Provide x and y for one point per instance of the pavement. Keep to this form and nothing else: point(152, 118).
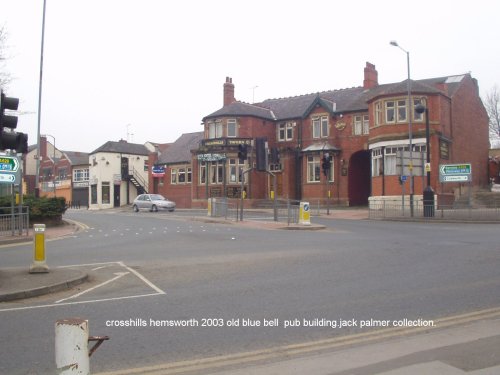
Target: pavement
point(462, 344)
point(462, 348)
point(19, 283)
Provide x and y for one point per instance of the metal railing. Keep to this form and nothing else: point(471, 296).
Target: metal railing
point(13, 222)
point(283, 210)
point(286, 210)
point(224, 208)
point(134, 173)
point(395, 210)
point(293, 210)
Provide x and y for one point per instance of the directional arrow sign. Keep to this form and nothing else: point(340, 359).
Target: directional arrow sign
point(7, 178)
point(463, 178)
point(455, 172)
point(455, 169)
point(9, 164)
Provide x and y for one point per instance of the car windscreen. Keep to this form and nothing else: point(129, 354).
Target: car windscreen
point(157, 197)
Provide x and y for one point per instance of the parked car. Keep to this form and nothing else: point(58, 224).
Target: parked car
point(152, 202)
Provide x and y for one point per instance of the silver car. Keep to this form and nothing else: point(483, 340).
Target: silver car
point(152, 202)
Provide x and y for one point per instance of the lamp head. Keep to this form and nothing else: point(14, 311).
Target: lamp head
point(420, 108)
point(394, 43)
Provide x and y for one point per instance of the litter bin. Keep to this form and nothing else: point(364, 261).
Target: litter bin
point(428, 202)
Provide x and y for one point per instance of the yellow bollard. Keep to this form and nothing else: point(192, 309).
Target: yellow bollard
point(39, 264)
point(304, 213)
point(209, 207)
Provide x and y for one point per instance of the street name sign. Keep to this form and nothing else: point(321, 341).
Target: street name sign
point(211, 157)
point(455, 173)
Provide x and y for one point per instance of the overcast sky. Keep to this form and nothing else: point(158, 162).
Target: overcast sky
point(150, 70)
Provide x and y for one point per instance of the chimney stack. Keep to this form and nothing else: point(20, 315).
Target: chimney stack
point(228, 91)
point(43, 147)
point(371, 76)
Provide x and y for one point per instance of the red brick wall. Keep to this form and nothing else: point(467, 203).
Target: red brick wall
point(179, 193)
point(470, 131)
point(462, 119)
point(341, 135)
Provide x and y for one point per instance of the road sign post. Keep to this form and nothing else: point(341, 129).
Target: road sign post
point(402, 180)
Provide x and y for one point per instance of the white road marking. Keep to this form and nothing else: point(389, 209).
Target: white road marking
point(157, 290)
point(89, 264)
point(118, 276)
point(98, 268)
point(80, 302)
point(146, 281)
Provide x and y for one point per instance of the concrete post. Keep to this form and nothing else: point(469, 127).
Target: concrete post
point(71, 346)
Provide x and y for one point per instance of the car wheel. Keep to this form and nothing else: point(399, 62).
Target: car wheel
point(136, 209)
point(171, 210)
point(154, 208)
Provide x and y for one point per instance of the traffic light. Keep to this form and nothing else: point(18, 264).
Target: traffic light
point(261, 154)
point(242, 152)
point(325, 163)
point(14, 141)
point(275, 155)
point(10, 139)
point(7, 121)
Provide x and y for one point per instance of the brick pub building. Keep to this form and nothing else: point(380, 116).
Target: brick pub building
point(364, 130)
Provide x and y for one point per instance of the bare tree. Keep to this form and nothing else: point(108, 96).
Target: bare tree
point(5, 77)
point(492, 105)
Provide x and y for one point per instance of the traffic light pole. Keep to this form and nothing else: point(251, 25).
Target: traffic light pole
point(328, 188)
point(242, 191)
point(326, 166)
point(275, 187)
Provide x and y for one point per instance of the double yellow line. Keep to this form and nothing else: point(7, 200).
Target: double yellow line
point(287, 351)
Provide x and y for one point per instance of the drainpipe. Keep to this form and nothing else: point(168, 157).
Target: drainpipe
point(298, 163)
point(383, 170)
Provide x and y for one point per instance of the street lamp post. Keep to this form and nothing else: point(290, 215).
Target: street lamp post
point(410, 132)
point(428, 192)
point(37, 176)
point(53, 162)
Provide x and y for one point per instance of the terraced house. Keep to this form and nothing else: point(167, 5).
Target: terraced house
point(348, 146)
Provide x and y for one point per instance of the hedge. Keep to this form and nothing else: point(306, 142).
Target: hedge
point(42, 210)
